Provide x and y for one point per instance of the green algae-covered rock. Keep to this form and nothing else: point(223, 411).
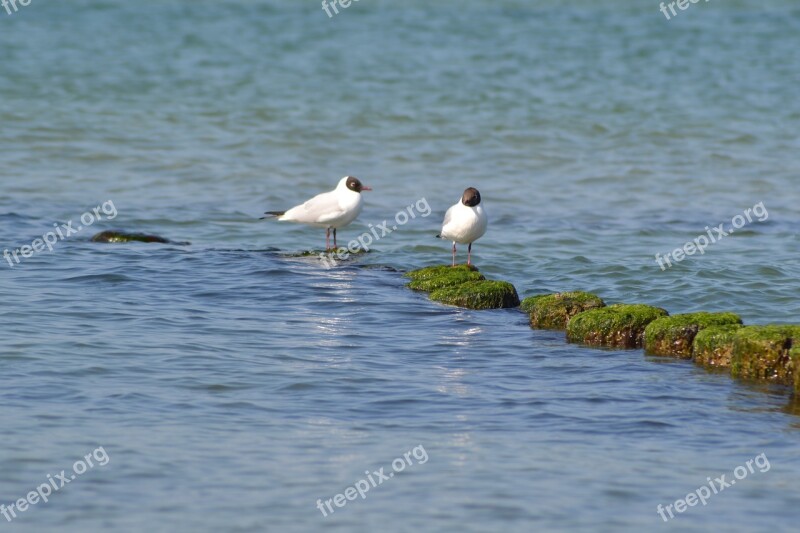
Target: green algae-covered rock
point(762, 352)
point(553, 311)
point(619, 325)
point(674, 335)
point(438, 271)
point(794, 357)
point(449, 279)
point(713, 346)
point(478, 295)
point(122, 236)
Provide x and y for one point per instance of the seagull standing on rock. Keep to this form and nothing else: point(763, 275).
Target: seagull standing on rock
point(465, 222)
point(330, 210)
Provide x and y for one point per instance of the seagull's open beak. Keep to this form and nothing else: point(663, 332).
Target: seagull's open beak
point(365, 188)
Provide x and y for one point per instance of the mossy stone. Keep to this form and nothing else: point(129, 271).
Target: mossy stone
point(437, 271)
point(762, 352)
point(122, 236)
point(794, 357)
point(619, 325)
point(478, 295)
point(451, 278)
point(553, 311)
point(674, 335)
point(713, 346)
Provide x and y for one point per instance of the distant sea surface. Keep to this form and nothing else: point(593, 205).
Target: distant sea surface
point(233, 385)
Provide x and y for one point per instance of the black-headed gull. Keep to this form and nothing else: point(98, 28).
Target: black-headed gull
point(465, 222)
point(330, 210)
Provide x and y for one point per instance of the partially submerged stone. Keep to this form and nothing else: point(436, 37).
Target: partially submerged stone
point(482, 294)
point(619, 325)
point(762, 352)
point(331, 257)
point(437, 271)
point(794, 357)
point(674, 335)
point(553, 311)
point(123, 236)
point(713, 346)
point(451, 278)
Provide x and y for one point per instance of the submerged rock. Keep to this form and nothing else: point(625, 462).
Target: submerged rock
point(330, 258)
point(619, 325)
point(674, 335)
point(713, 346)
point(122, 236)
point(482, 294)
point(763, 352)
point(553, 311)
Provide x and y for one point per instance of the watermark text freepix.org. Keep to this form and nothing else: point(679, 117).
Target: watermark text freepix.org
point(55, 483)
point(61, 232)
point(332, 5)
point(702, 242)
point(10, 5)
point(362, 486)
point(683, 5)
point(715, 486)
point(370, 237)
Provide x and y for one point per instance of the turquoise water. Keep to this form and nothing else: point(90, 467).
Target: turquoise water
point(232, 385)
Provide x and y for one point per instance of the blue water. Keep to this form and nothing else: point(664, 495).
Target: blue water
point(233, 384)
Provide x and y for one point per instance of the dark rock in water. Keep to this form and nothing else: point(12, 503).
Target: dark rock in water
point(481, 294)
point(330, 258)
point(674, 335)
point(122, 236)
point(763, 352)
point(553, 311)
point(713, 346)
point(619, 325)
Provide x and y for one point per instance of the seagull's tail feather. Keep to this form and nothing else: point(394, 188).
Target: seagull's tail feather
point(273, 214)
point(438, 235)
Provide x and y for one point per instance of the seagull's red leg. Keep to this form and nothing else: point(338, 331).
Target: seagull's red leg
point(327, 239)
point(469, 254)
point(335, 246)
point(454, 254)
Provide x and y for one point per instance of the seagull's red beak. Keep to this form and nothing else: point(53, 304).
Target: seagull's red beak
point(365, 188)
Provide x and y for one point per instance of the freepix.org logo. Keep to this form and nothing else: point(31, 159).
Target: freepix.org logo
point(12, 6)
point(60, 233)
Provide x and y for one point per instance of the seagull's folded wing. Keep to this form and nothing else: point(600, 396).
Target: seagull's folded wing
point(318, 210)
point(448, 216)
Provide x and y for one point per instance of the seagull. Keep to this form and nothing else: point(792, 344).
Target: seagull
point(329, 210)
point(465, 222)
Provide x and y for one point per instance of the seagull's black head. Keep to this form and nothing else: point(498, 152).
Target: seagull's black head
point(471, 197)
point(355, 185)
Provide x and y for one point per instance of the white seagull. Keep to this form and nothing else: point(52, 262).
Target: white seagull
point(465, 222)
point(330, 210)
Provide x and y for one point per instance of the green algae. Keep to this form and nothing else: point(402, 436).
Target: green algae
point(794, 358)
point(619, 325)
point(763, 352)
point(438, 271)
point(674, 335)
point(713, 346)
point(482, 294)
point(451, 278)
point(553, 311)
